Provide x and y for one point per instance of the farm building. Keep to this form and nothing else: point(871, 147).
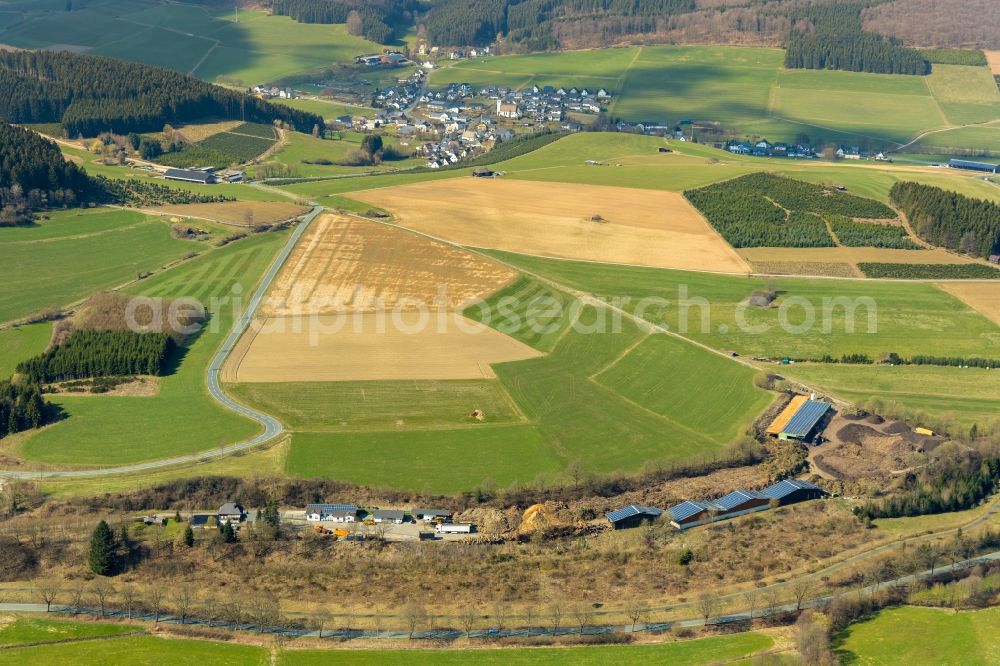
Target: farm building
point(318, 512)
point(190, 176)
point(987, 167)
point(231, 512)
point(791, 491)
point(691, 513)
point(800, 420)
point(431, 514)
point(740, 502)
point(388, 516)
point(632, 516)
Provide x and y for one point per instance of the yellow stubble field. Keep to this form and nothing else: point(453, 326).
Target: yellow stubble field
point(570, 221)
point(361, 300)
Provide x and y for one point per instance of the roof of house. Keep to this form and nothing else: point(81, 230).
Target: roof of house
point(806, 418)
point(390, 514)
point(230, 508)
point(736, 498)
point(330, 508)
point(633, 510)
point(431, 512)
point(188, 174)
point(779, 423)
point(688, 508)
point(784, 488)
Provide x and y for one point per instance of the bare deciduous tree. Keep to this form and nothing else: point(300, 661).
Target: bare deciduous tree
point(183, 599)
point(412, 615)
point(584, 616)
point(468, 619)
point(47, 591)
point(500, 612)
point(707, 604)
point(750, 597)
point(102, 591)
point(634, 611)
point(155, 599)
point(801, 589)
point(130, 599)
point(556, 613)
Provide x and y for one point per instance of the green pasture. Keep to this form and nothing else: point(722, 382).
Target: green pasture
point(139, 650)
point(327, 109)
point(713, 650)
point(916, 636)
point(303, 149)
point(60, 266)
point(181, 417)
point(966, 94)
point(436, 461)
point(379, 405)
point(21, 343)
point(963, 395)
point(28, 629)
point(908, 318)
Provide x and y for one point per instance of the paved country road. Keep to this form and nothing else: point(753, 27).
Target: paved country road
point(272, 427)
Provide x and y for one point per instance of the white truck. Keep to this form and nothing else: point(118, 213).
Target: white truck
point(454, 528)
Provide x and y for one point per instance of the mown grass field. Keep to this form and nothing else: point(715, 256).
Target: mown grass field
point(917, 636)
point(25, 629)
point(303, 151)
point(374, 405)
point(67, 260)
point(435, 461)
point(181, 418)
point(139, 650)
point(633, 161)
point(966, 395)
point(23, 342)
point(719, 649)
point(188, 38)
point(909, 318)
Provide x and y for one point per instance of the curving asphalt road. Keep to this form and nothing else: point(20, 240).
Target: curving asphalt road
point(272, 427)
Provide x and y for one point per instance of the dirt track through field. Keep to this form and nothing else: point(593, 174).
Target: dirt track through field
point(571, 221)
point(348, 264)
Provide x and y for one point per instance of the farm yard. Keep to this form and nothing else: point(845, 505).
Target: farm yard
point(611, 224)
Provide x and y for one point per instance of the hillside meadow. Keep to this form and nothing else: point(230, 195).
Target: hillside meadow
point(181, 417)
point(908, 318)
point(747, 90)
point(919, 636)
point(67, 259)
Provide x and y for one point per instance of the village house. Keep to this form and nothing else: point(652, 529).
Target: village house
point(232, 513)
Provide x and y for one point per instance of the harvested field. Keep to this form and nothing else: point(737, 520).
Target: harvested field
point(834, 261)
point(196, 132)
point(993, 57)
point(984, 297)
point(609, 224)
point(816, 268)
point(321, 349)
point(236, 212)
point(348, 264)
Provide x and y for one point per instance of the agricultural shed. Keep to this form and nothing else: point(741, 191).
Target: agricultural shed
point(633, 515)
point(790, 491)
point(803, 424)
point(190, 176)
point(690, 513)
point(779, 423)
point(431, 514)
point(987, 167)
point(388, 516)
point(317, 512)
point(740, 502)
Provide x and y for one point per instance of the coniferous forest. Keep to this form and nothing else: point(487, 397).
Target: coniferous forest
point(948, 219)
point(34, 175)
point(93, 94)
point(832, 37)
point(89, 353)
point(21, 408)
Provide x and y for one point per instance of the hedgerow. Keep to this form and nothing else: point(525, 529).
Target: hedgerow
point(929, 271)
